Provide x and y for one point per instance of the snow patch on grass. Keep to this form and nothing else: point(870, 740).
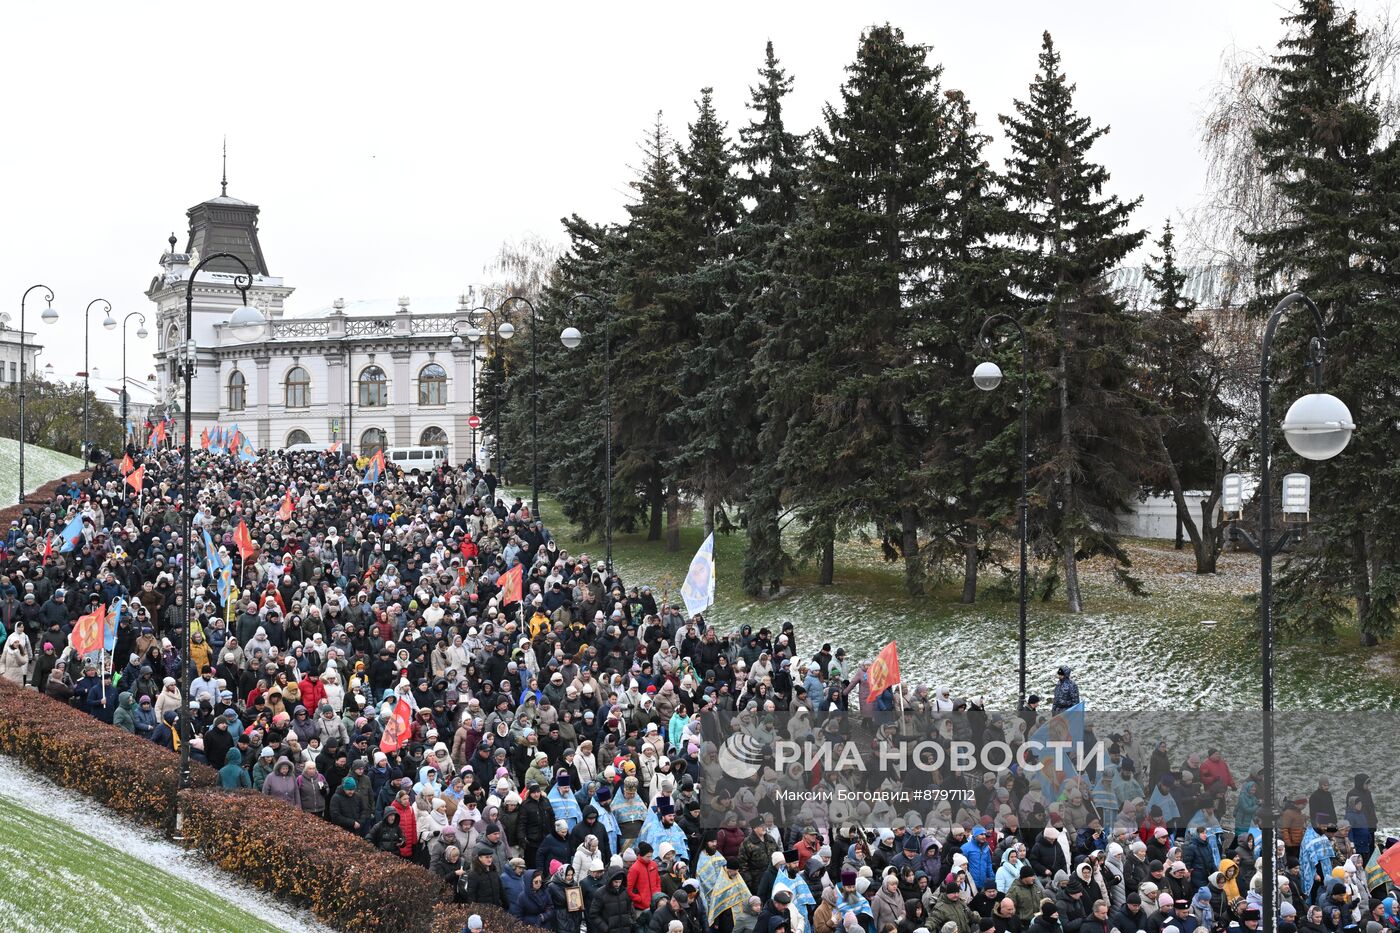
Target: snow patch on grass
point(59, 847)
point(41, 465)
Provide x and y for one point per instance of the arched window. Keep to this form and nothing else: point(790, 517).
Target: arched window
point(433, 437)
point(432, 385)
point(298, 388)
point(374, 388)
point(237, 391)
point(298, 437)
point(372, 440)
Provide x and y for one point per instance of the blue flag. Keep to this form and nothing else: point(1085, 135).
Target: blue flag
point(109, 631)
point(1065, 727)
point(71, 533)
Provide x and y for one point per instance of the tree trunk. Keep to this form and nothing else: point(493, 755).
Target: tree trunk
point(969, 543)
point(1072, 596)
point(1179, 542)
point(1361, 586)
point(655, 500)
point(673, 520)
point(709, 513)
point(1204, 547)
point(1208, 546)
point(828, 558)
point(913, 564)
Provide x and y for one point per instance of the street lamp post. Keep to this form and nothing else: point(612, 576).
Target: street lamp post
point(502, 329)
point(571, 338)
point(49, 316)
point(534, 399)
point(987, 376)
point(110, 323)
point(246, 323)
point(107, 322)
point(1318, 426)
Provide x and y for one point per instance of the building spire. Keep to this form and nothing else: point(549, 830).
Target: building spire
point(223, 182)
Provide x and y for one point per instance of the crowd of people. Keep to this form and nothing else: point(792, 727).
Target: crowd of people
point(553, 762)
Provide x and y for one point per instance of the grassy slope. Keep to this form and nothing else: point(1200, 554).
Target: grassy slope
point(40, 466)
point(53, 878)
point(1120, 639)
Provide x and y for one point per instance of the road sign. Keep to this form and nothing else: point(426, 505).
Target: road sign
point(473, 421)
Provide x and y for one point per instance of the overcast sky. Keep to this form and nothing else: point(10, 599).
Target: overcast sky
point(392, 147)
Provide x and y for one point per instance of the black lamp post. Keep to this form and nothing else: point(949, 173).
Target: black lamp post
point(987, 376)
point(110, 323)
point(468, 329)
point(571, 337)
point(1318, 426)
point(534, 405)
point(504, 330)
point(49, 316)
point(246, 323)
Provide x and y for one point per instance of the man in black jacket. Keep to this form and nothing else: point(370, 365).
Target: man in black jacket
point(483, 884)
point(612, 910)
point(535, 821)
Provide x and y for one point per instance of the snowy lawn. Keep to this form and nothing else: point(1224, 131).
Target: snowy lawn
point(68, 864)
point(40, 466)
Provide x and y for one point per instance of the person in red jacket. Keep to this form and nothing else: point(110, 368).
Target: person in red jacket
point(312, 691)
point(468, 548)
point(408, 822)
point(1215, 775)
point(644, 878)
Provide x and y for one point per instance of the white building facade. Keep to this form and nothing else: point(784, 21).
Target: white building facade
point(368, 374)
point(11, 366)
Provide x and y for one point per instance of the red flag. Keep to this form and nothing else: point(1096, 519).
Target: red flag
point(334, 448)
point(1389, 861)
point(397, 727)
point(287, 508)
point(204, 438)
point(246, 547)
point(48, 547)
point(511, 582)
point(127, 466)
point(88, 631)
point(160, 432)
point(884, 671)
point(137, 477)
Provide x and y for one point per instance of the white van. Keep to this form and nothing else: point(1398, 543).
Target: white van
point(416, 459)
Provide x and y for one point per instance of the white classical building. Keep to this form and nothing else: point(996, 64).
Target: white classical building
point(370, 373)
point(10, 364)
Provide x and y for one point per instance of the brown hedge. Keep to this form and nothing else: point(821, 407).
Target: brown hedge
point(345, 880)
point(73, 749)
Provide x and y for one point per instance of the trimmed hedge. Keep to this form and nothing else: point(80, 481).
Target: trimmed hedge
point(452, 918)
point(345, 880)
point(73, 749)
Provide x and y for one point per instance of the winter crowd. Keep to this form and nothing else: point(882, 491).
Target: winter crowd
point(552, 761)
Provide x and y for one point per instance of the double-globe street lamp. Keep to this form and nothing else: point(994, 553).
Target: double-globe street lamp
point(246, 323)
point(987, 376)
point(49, 316)
point(1318, 426)
point(108, 322)
point(501, 328)
point(571, 337)
point(141, 334)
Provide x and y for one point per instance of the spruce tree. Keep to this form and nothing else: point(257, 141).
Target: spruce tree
point(875, 207)
point(652, 330)
point(1318, 141)
point(765, 300)
point(973, 457)
point(713, 421)
point(1069, 235)
point(1186, 392)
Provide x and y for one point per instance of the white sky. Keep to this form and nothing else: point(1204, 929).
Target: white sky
point(392, 147)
